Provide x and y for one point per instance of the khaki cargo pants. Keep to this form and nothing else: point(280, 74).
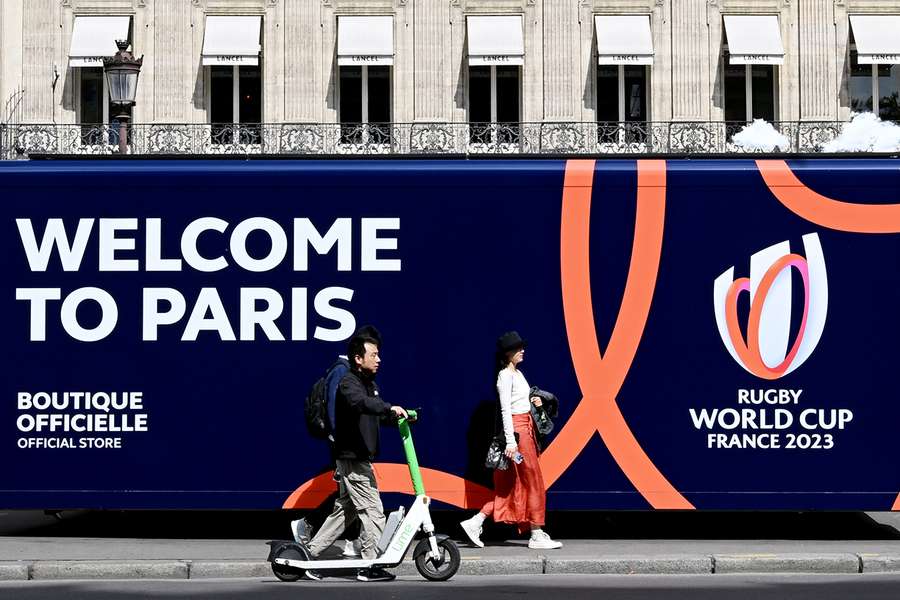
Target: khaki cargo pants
point(358, 499)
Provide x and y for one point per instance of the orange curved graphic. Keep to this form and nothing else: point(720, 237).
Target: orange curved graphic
point(827, 212)
point(824, 211)
point(600, 378)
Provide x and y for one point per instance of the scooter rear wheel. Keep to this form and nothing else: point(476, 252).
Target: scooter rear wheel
point(284, 572)
point(441, 569)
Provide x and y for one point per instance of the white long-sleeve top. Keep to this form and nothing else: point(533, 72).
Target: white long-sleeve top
point(513, 390)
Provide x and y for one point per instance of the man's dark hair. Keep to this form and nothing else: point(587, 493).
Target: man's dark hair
point(357, 347)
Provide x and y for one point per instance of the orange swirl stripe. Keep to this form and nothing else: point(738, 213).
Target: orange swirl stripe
point(600, 378)
point(827, 212)
point(824, 211)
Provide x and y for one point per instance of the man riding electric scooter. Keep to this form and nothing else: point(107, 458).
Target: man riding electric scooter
point(358, 412)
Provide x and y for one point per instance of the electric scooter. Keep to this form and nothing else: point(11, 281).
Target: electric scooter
point(436, 556)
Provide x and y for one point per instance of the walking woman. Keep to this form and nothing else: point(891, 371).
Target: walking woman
point(519, 496)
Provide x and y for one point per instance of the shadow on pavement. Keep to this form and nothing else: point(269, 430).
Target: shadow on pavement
point(563, 525)
point(627, 587)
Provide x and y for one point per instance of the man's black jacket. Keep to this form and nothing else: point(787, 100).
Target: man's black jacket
point(358, 412)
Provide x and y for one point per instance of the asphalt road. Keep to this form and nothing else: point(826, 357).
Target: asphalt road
point(607, 587)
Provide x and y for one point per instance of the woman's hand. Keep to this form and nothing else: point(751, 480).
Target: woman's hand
point(536, 400)
point(511, 452)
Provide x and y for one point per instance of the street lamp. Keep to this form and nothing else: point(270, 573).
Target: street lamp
point(122, 72)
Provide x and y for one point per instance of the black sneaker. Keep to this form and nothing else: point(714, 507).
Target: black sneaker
point(312, 575)
point(374, 574)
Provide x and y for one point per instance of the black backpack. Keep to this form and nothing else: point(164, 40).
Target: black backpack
point(319, 407)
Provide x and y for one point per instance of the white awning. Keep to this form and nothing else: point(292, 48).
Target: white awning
point(496, 40)
point(94, 38)
point(754, 40)
point(877, 38)
point(232, 40)
point(366, 40)
point(624, 39)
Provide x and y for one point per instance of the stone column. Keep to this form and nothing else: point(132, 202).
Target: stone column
point(661, 71)
point(40, 46)
point(197, 73)
point(567, 34)
point(304, 82)
point(694, 63)
point(841, 54)
point(273, 63)
point(402, 74)
point(817, 61)
point(433, 93)
point(166, 82)
point(459, 64)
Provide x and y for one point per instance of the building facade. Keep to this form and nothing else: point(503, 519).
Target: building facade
point(239, 62)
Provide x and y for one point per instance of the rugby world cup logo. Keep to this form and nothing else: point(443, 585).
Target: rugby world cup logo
point(764, 350)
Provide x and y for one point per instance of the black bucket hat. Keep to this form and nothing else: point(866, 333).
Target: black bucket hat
point(509, 341)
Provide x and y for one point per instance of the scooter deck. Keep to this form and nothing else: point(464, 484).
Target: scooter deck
point(324, 565)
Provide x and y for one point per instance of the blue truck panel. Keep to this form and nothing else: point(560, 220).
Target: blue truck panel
point(720, 333)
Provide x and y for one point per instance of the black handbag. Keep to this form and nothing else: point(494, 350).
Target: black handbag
point(495, 458)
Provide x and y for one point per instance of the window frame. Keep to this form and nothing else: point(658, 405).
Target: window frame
point(620, 75)
point(107, 129)
point(378, 135)
point(235, 104)
point(494, 125)
point(748, 88)
point(873, 78)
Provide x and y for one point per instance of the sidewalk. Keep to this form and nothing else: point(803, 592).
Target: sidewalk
point(43, 558)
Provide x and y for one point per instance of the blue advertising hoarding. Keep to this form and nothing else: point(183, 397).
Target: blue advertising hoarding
point(720, 333)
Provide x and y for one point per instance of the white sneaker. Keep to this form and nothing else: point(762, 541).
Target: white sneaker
point(473, 530)
point(352, 548)
point(541, 541)
point(302, 531)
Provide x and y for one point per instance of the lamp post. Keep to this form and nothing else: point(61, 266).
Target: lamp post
point(122, 72)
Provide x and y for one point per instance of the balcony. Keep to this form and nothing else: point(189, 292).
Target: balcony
point(405, 139)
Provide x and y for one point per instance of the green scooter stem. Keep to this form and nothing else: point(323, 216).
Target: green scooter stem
point(410, 450)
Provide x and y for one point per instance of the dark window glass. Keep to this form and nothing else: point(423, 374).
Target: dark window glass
point(221, 103)
point(379, 103)
point(249, 104)
point(608, 93)
point(351, 94)
point(735, 92)
point(508, 94)
point(379, 94)
point(91, 100)
point(889, 92)
point(860, 85)
point(635, 93)
point(91, 105)
point(508, 91)
point(635, 104)
point(763, 90)
point(480, 103)
point(350, 108)
point(480, 94)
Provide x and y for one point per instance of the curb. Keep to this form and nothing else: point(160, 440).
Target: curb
point(108, 569)
point(621, 565)
point(787, 563)
point(880, 563)
point(638, 565)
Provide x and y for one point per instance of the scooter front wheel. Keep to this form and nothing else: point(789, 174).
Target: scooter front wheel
point(442, 568)
point(284, 572)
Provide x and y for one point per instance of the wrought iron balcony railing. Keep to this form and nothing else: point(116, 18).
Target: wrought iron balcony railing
point(466, 139)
